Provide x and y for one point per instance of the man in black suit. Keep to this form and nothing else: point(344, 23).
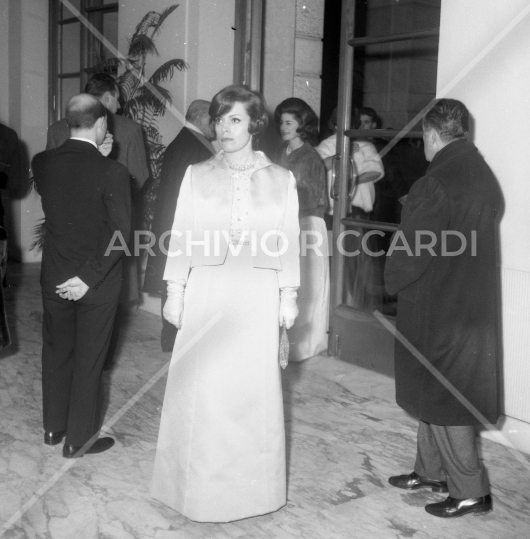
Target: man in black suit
point(128, 148)
point(191, 146)
point(86, 200)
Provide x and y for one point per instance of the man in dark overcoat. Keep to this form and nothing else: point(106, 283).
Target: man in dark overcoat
point(445, 273)
point(86, 200)
point(190, 146)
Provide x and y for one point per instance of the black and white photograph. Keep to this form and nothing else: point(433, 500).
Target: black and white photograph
point(264, 269)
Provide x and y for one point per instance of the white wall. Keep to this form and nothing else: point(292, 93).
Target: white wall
point(24, 68)
point(497, 94)
point(278, 53)
point(496, 91)
point(4, 59)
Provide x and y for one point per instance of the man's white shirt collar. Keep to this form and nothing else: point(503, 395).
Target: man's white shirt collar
point(85, 140)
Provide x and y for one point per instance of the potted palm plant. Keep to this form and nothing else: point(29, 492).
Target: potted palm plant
point(145, 100)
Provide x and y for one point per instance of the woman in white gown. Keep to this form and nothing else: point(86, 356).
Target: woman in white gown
point(234, 263)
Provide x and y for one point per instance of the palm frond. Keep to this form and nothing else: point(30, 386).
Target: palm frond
point(157, 150)
point(166, 70)
point(133, 108)
point(141, 45)
point(163, 96)
point(150, 20)
point(145, 104)
point(146, 121)
point(163, 16)
point(156, 163)
point(127, 83)
point(145, 101)
point(38, 234)
point(131, 64)
point(154, 138)
point(155, 97)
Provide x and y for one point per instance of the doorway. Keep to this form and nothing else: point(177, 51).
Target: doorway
point(385, 72)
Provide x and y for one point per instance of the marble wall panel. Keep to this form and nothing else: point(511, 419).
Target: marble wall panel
point(308, 56)
point(309, 28)
point(310, 17)
point(308, 89)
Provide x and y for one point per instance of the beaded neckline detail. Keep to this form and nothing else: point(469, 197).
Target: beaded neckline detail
point(239, 222)
point(236, 167)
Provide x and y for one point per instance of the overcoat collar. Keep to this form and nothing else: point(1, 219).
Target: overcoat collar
point(451, 151)
point(219, 160)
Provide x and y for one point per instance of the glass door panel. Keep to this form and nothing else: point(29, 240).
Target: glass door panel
point(365, 248)
point(76, 52)
point(69, 88)
point(65, 12)
point(70, 48)
point(393, 77)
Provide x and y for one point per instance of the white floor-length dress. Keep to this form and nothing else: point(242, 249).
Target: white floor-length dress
point(221, 447)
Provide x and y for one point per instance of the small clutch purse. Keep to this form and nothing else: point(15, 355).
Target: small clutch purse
point(284, 348)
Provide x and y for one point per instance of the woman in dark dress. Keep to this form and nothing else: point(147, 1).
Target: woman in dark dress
point(298, 126)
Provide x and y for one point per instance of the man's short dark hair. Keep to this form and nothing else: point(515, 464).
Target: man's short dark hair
point(303, 114)
point(449, 118)
point(369, 111)
point(101, 83)
point(83, 110)
point(253, 102)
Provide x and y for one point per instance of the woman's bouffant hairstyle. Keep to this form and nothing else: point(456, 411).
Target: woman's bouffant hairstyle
point(254, 103)
point(303, 114)
point(449, 118)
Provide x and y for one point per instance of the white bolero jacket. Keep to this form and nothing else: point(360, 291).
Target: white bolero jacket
point(200, 231)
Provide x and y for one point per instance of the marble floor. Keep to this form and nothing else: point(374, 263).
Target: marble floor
point(345, 437)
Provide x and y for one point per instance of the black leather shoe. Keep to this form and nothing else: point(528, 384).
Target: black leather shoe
point(53, 438)
point(451, 507)
point(77, 451)
point(414, 481)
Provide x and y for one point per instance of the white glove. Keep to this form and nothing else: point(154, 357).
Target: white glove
point(174, 306)
point(288, 308)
